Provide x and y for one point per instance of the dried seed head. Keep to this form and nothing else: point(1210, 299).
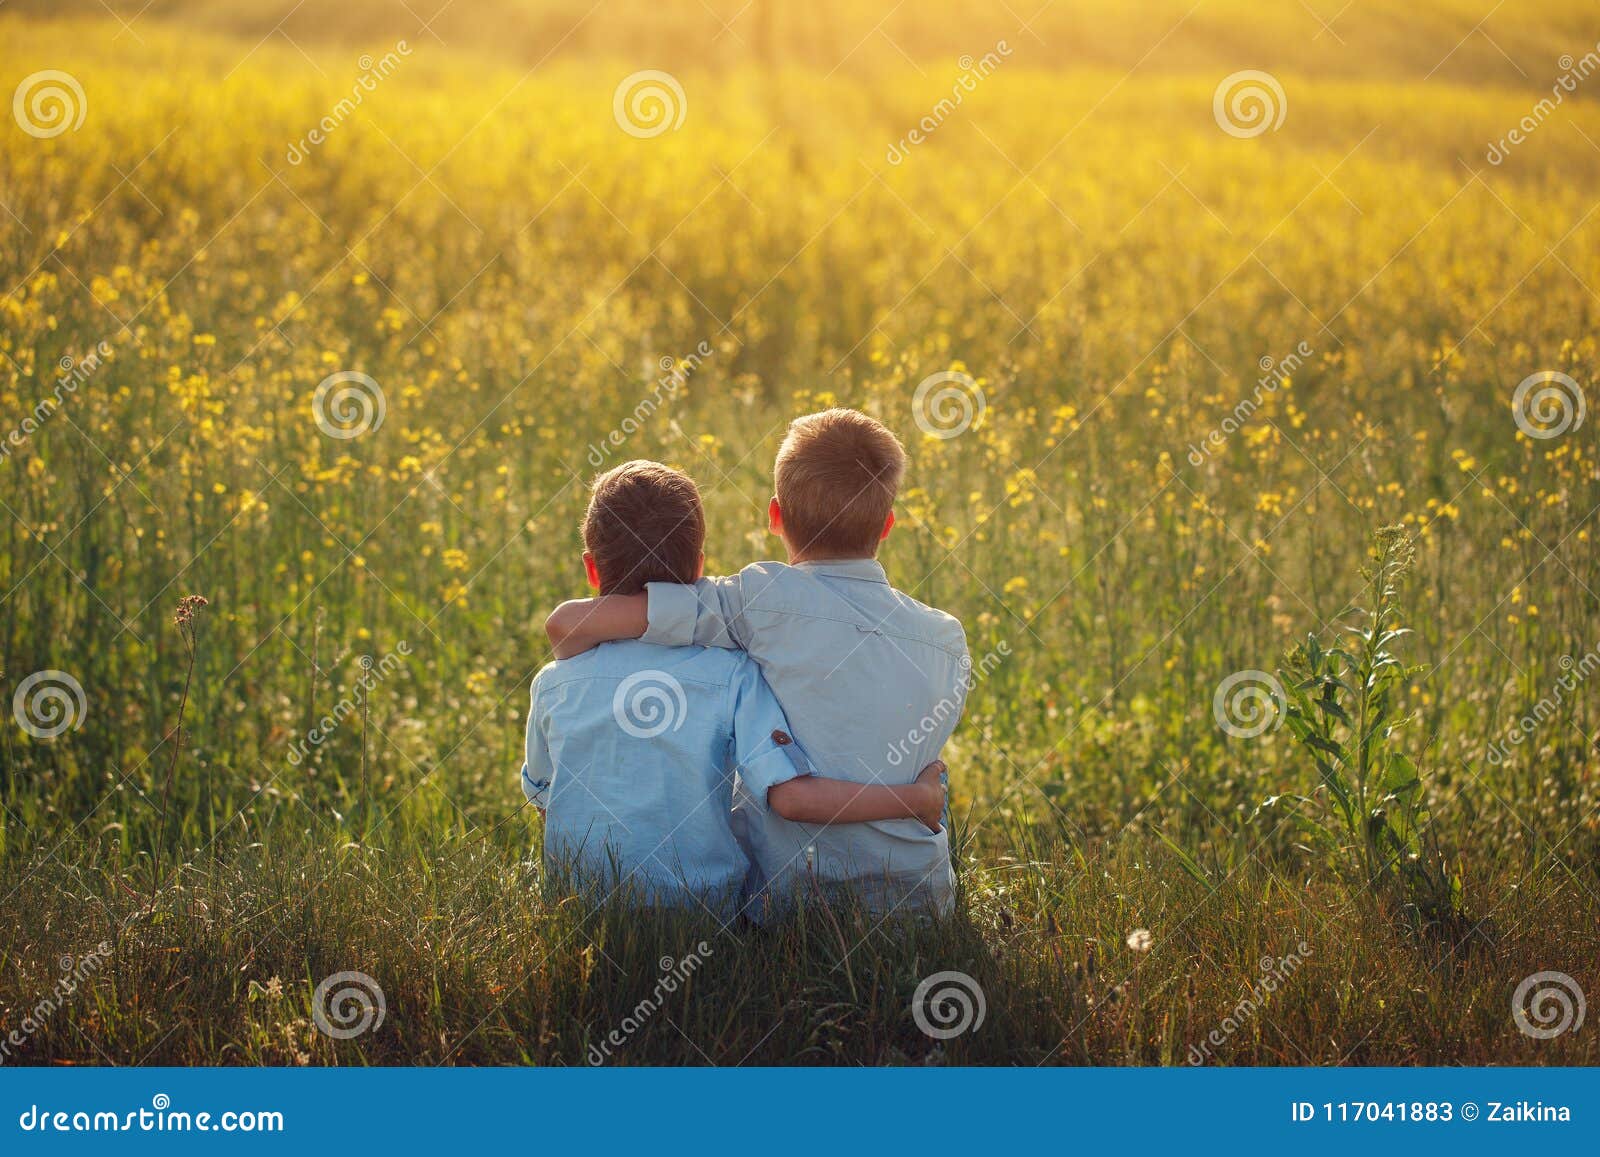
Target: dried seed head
point(189, 607)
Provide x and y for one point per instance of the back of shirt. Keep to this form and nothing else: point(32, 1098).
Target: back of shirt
point(872, 681)
point(632, 750)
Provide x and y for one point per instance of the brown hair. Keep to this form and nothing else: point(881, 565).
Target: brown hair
point(836, 477)
point(644, 524)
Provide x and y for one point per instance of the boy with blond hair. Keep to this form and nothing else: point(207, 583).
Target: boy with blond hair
point(873, 680)
point(632, 748)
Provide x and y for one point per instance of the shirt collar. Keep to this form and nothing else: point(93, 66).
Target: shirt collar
point(865, 569)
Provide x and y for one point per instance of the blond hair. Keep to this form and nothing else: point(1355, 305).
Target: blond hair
point(836, 478)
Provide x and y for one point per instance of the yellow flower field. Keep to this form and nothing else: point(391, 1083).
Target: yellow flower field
point(332, 323)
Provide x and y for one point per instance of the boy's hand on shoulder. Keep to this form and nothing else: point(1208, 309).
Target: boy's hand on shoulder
point(579, 625)
point(562, 628)
point(931, 795)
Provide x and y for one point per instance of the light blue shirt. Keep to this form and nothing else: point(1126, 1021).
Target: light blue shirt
point(874, 682)
point(631, 752)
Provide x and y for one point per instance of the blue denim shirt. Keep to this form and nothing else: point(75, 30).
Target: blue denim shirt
point(631, 752)
point(874, 682)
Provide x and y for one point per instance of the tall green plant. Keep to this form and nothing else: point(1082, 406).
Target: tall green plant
point(1370, 812)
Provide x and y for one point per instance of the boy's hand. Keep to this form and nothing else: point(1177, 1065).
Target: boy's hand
point(932, 795)
point(579, 624)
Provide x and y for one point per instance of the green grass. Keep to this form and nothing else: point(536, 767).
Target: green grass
point(477, 966)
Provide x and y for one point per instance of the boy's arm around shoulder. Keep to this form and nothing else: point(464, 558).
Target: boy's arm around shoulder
point(707, 613)
point(704, 613)
point(578, 625)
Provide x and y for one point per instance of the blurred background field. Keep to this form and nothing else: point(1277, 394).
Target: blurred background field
point(484, 240)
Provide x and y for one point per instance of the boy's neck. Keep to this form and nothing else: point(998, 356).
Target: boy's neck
point(796, 559)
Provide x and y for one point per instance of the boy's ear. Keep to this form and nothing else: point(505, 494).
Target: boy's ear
point(775, 516)
point(888, 525)
point(700, 571)
point(591, 571)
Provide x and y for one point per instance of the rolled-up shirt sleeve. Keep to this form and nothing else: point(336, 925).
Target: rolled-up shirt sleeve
point(537, 769)
point(710, 613)
point(763, 745)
